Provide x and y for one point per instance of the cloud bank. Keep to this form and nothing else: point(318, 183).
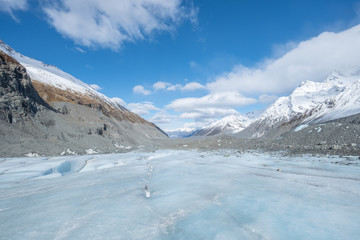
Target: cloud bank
point(112, 22)
point(313, 60)
point(220, 100)
point(210, 106)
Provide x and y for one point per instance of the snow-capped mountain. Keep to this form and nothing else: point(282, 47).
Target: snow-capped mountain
point(49, 112)
point(232, 124)
point(179, 132)
point(345, 104)
point(55, 85)
point(333, 98)
point(53, 76)
point(336, 97)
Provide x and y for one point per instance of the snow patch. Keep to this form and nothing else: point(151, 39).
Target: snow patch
point(301, 127)
point(122, 146)
point(90, 151)
point(232, 124)
point(32, 154)
point(68, 151)
point(318, 129)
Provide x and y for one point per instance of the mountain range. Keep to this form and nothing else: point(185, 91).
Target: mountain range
point(231, 125)
point(335, 97)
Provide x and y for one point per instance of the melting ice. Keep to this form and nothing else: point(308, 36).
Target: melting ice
point(180, 195)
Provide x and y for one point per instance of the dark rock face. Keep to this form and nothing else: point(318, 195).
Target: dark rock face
point(18, 98)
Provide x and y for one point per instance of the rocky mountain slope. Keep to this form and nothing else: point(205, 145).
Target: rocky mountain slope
point(55, 113)
point(232, 124)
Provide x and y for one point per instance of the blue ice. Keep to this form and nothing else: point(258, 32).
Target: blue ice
point(191, 195)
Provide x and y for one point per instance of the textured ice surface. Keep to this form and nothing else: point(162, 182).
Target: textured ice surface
point(301, 127)
point(191, 195)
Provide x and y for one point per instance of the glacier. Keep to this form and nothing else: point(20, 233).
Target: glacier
point(173, 194)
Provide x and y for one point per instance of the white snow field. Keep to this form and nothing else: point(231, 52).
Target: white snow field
point(191, 195)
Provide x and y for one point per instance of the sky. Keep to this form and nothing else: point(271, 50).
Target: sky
point(185, 63)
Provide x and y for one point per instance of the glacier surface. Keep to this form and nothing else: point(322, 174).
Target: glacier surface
point(180, 195)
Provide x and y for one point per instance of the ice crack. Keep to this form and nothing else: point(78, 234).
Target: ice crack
point(147, 180)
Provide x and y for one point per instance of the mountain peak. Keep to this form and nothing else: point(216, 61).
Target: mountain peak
point(231, 124)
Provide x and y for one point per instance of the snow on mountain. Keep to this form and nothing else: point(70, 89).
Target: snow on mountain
point(232, 124)
point(53, 76)
point(345, 104)
point(179, 132)
point(309, 101)
point(306, 97)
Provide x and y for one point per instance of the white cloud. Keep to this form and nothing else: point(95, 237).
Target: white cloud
point(207, 114)
point(209, 107)
point(96, 87)
point(142, 108)
point(223, 99)
point(173, 87)
point(13, 5)
point(141, 90)
point(109, 23)
point(311, 60)
point(265, 98)
point(160, 85)
point(162, 117)
point(166, 86)
point(79, 49)
point(119, 101)
point(280, 50)
point(192, 86)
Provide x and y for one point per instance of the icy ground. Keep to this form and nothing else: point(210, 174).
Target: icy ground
point(192, 195)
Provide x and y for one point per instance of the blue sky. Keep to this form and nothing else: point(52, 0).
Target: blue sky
point(185, 63)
